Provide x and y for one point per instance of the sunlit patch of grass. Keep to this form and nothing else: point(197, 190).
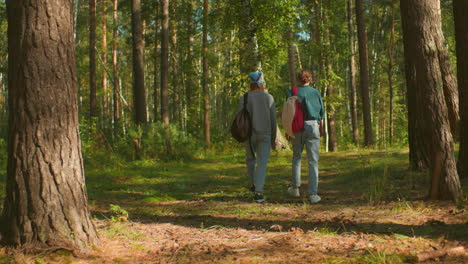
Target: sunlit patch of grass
point(378, 257)
point(325, 231)
point(402, 206)
point(121, 230)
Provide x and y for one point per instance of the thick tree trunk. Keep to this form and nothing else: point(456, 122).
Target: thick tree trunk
point(115, 80)
point(206, 90)
point(460, 9)
point(139, 93)
point(93, 112)
point(165, 73)
point(390, 72)
point(449, 84)
point(421, 21)
point(46, 203)
point(352, 69)
point(364, 70)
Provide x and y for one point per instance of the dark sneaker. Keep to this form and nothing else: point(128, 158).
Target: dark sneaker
point(258, 197)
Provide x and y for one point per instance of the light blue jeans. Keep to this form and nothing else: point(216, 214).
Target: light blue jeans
point(257, 167)
point(310, 137)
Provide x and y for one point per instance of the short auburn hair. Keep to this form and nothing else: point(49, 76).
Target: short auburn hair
point(304, 76)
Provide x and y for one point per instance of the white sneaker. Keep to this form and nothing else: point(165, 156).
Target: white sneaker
point(294, 191)
point(315, 198)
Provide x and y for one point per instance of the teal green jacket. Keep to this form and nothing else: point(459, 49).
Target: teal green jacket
point(311, 100)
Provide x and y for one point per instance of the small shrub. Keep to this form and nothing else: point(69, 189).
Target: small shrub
point(118, 214)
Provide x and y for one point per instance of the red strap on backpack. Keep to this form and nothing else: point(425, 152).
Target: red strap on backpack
point(298, 120)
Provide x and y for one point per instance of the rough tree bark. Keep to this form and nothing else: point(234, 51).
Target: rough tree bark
point(139, 93)
point(364, 77)
point(460, 9)
point(46, 203)
point(421, 20)
point(352, 72)
point(206, 90)
point(93, 112)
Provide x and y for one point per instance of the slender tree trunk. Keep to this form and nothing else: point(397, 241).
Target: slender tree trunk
point(206, 90)
point(460, 9)
point(176, 113)
point(331, 97)
point(104, 58)
point(115, 80)
point(291, 65)
point(139, 93)
point(364, 70)
point(46, 203)
point(421, 22)
point(251, 60)
point(156, 88)
point(93, 112)
point(191, 84)
point(165, 73)
point(317, 28)
point(390, 72)
point(352, 71)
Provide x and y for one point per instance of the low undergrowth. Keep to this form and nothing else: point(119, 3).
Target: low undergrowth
point(198, 210)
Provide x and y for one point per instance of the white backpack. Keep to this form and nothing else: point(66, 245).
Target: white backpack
point(287, 115)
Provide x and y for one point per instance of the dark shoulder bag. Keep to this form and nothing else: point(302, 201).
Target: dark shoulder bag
point(241, 127)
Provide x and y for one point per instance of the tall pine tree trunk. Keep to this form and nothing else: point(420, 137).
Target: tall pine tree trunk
point(364, 76)
point(460, 9)
point(191, 83)
point(104, 59)
point(115, 80)
point(165, 73)
point(156, 57)
point(421, 23)
point(352, 72)
point(206, 90)
point(139, 93)
point(449, 84)
point(93, 112)
point(331, 97)
point(46, 203)
point(176, 91)
point(390, 72)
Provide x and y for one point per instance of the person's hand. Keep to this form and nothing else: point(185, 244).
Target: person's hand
point(322, 128)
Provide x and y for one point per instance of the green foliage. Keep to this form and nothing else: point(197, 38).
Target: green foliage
point(377, 185)
point(118, 214)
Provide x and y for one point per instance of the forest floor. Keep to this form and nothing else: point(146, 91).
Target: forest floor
point(199, 211)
